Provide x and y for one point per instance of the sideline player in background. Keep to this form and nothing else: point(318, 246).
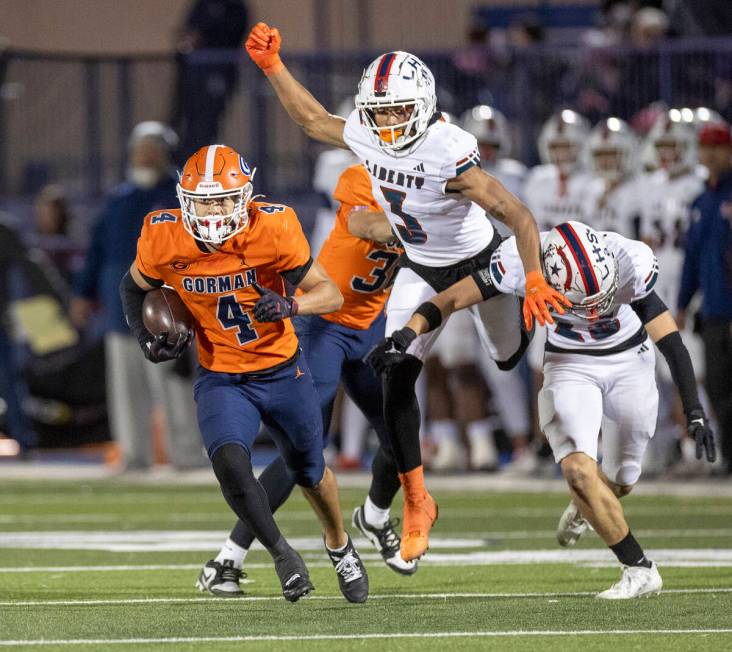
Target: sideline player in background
point(334, 346)
point(556, 190)
point(428, 176)
point(597, 363)
point(227, 257)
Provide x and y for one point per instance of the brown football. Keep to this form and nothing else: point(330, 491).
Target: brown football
point(163, 311)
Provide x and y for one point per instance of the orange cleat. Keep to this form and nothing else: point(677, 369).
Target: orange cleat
point(419, 515)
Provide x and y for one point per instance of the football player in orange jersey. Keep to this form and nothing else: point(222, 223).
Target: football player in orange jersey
point(358, 257)
point(227, 256)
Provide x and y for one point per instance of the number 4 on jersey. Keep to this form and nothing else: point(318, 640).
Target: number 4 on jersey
point(230, 315)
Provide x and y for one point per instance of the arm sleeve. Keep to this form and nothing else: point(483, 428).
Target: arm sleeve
point(649, 307)
point(133, 296)
point(690, 271)
point(682, 371)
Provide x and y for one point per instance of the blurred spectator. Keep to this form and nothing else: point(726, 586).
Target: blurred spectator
point(52, 219)
point(708, 268)
point(204, 87)
point(133, 383)
point(648, 27)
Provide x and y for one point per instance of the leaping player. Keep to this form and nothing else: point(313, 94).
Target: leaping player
point(597, 362)
point(426, 175)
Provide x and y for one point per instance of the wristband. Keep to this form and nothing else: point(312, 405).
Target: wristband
point(431, 313)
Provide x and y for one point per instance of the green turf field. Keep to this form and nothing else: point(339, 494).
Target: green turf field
point(112, 566)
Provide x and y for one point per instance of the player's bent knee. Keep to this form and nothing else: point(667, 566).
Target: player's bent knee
point(580, 471)
point(310, 475)
point(507, 365)
point(233, 468)
point(626, 476)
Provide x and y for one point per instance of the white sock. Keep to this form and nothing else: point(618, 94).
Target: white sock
point(341, 549)
point(443, 430)
point(479, 430)
point(231, 550)
point(373, 515)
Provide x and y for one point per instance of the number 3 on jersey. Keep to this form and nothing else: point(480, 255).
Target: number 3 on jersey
point(230, 315)
point(412, 231)
point(380, 275)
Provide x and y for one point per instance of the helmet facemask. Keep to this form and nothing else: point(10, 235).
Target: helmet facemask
point(215, 225)
point(396, 137)
point(593, 307)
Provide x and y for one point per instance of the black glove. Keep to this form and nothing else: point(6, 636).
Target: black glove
point(698, 428)
point(391, 350)
point(272, 306)
point(157, 349)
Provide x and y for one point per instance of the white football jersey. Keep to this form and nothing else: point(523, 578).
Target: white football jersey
point(437, 228)
point(665, 219)
point(512, 174)
point(553, 202)
point(618, 210)
point(637, 270)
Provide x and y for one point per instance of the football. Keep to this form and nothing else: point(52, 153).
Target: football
point(163, 311)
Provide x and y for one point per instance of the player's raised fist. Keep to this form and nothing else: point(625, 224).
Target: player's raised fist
point(263, 46)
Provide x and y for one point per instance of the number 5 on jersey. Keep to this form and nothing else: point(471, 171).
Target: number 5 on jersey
point(231, 315)
point(412, 231)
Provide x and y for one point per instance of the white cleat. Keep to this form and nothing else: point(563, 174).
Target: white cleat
point(636, 582)
point(220, 579)
point(450, 456)
point(483, 454)
point(572, 525)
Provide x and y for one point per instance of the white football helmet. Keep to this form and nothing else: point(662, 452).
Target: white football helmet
point(562, 138)
point(397, 79)
point(489, 126)
point(613, 149)
point(673, 137)
point(577, 263)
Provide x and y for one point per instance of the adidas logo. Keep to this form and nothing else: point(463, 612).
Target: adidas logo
point(419, 168)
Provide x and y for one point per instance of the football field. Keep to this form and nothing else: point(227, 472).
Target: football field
point(111, 565)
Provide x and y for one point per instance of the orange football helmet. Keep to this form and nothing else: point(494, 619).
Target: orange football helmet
point(214, 173)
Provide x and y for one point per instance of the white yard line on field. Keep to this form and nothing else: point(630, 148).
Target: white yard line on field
point(444, 552)
point(393, 596)
point(347, 637)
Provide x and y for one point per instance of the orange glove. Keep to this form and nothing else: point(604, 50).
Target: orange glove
point(263, 46)
point(538, 294)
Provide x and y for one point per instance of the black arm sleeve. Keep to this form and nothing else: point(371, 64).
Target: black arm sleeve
point(294, 276)
point(483, 280)
point(682, 371)
point(649, 307)
point(133, 296)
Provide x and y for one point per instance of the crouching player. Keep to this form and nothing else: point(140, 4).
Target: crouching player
point(359, 259)
point(226, 256)
point(598, 362)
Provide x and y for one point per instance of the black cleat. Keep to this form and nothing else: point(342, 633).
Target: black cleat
point(293, 575)
point(386, 541)
point(220, 579)
point(352, 577)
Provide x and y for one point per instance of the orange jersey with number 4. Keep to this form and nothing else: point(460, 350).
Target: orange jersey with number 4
point(217, 287)
point(362, 269)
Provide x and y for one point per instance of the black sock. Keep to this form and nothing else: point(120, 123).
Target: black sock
point(384, 479)
point(629, 552)
point(245, 496)
point(401, 413)
point(278, 483)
